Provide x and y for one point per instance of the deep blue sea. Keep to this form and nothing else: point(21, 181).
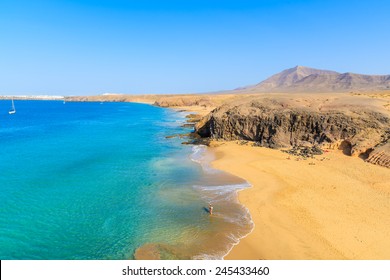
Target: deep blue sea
point(90, 180)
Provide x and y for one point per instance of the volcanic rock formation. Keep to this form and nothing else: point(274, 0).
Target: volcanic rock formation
point(278, 122)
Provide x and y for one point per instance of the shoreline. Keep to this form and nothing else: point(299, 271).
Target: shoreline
point(229, 195)
point(217, 186)
point(202, 111)
point(336, 208)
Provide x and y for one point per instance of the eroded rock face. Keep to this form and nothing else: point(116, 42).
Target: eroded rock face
point(380, 155)
point(277, 124)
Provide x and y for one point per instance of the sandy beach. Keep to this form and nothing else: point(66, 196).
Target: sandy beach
point(330, 207)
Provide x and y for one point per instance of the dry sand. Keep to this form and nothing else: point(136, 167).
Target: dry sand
point(199, 110)
point(332, 208)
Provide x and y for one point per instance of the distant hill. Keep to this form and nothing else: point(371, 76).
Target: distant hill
point(305, 79)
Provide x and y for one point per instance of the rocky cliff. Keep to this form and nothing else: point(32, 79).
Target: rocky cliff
point(278, 122)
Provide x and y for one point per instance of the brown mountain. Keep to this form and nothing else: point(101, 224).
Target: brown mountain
point(305, 79)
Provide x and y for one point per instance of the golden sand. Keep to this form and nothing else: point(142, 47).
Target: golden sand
point(199, 110)
point(330, 207)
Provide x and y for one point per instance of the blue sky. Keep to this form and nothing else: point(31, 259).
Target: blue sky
point(92, 47)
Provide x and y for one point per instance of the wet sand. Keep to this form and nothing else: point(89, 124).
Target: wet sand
point(330, 207)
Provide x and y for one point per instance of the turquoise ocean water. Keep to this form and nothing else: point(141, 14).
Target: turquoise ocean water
point(101, 181)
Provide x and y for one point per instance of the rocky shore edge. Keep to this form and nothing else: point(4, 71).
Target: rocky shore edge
point(302, 130)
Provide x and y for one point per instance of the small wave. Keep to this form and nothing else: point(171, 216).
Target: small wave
point(241, 237)
point(231, 240)
point(223, 189)
point(201, 156)
point(198, 152)
point(221, 193)
point(208, 257)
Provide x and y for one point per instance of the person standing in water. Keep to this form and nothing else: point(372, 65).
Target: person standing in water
point(210, 209)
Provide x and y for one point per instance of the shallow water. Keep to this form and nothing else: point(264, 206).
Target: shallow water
point(99, 181)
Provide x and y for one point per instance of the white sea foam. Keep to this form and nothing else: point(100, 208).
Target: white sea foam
point(241, 237)
point(223, 189)
point(221, 193)
point(208, 257)
point(198, 152)
point(234, 240)
point(204, 158)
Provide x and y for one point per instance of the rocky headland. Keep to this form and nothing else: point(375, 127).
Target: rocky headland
point(357, 126)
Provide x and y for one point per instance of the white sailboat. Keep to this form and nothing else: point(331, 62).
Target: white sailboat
point(12, 111)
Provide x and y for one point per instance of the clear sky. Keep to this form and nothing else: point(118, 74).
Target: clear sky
point(65, 47)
